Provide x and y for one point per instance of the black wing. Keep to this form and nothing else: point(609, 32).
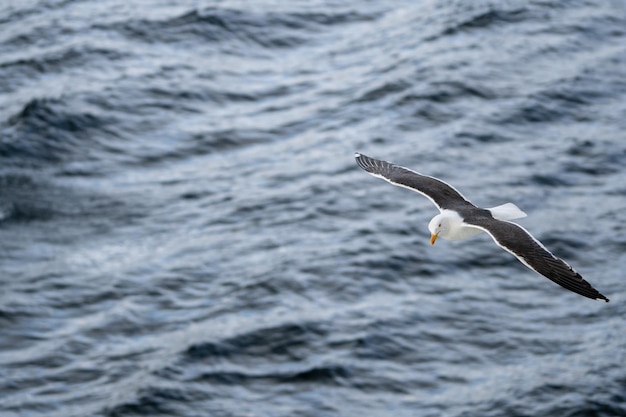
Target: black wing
point(443, 195)
point(516, 240)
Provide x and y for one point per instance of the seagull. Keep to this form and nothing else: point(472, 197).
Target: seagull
point(460, 219)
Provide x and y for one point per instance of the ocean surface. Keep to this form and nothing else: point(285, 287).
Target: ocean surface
point(184, 230)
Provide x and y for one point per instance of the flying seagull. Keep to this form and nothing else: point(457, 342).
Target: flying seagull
point(459, 219)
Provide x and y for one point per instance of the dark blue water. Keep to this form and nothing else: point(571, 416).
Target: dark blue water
point(184, 232)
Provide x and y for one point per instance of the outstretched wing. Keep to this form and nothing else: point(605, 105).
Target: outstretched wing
point(443, 195)
point(515, 239)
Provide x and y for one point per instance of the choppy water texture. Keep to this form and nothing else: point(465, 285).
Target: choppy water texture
point(184, 232)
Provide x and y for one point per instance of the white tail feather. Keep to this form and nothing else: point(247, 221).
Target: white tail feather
point(507, 211)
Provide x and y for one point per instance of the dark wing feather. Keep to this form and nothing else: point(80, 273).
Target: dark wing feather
point(516, 240)
point(443, 195)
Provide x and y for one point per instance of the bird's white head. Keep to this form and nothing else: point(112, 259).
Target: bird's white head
point(438, 225)
point(449, 225)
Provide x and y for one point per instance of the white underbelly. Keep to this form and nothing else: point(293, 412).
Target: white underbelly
point(463, 233)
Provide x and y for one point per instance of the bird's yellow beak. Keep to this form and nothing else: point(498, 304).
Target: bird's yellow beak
point(433, 238)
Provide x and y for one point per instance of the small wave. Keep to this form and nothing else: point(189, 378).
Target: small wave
point(381, 91)
point(554, 180)
point(274, 341)
point(30, 198)
point(267, 29)
point(330, 374)
point(595, 159)
point(549, 107)
point(50, 112)
point(476, 136)
point(469, 17)
point(21, 200)
point(205, 144)
point(48, 130)
point(151, 401)
point(487, 18)
point(52, 62)
point(446, 92)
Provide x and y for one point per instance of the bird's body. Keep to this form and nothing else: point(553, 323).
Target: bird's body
point(460, 219)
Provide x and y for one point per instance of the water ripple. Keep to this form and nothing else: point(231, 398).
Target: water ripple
point(183, 230)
